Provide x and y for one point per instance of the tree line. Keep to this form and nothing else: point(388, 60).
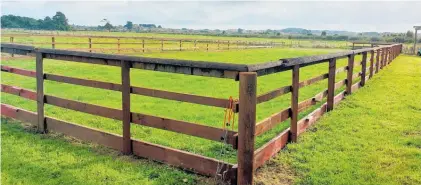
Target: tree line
point(57, 22)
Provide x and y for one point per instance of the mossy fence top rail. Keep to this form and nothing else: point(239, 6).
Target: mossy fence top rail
point(190, 67)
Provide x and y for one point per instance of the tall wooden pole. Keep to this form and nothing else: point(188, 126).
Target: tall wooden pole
point(349, 74)
point(125, 93)
point(415, 42)
point(331, 84)
point(40, 92)
point(294, 102)
point(246, 127)
point(364, 68)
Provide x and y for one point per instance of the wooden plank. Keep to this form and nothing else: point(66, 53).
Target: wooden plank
point(126, 115)
point(19, 114)
point(271, 148)
point(272, 121)
point(53, 42)
point(273, 94)
point(24, 93)
point(83, 82)
point(187, 161)
point(355, 87)
point(40, 92)
point(331, 84)
point(313, 80)
point(202, 100)
point(85, 133)
point(364, 68)
point(349, 73)
point(18, 71)
point(294, 102)
point(246, 128)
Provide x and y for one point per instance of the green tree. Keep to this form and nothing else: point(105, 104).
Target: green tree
point(409, 34)
point(129, 25)
point(108, 26)
point(60, 22)
point(323, 33)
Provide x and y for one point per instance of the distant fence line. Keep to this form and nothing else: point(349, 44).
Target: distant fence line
point(125, 44)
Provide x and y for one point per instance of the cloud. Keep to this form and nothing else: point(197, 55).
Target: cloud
point(351, 16)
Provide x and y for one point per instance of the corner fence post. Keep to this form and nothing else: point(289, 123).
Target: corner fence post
point(125, 93)
point(349, 73)
point(40, 92)
point(371, 64)
point(246, 127)
point(331, 84)
point(364, 69)
point(294, 102)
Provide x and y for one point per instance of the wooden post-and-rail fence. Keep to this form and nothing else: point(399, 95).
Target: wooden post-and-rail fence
point(243, 140)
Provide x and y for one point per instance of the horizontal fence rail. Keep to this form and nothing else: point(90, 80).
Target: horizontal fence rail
point(243, 140)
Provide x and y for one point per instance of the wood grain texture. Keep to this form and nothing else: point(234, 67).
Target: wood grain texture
point(294, 102)
point(246, 127)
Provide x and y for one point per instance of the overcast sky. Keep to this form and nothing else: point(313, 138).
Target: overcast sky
point(350, 16)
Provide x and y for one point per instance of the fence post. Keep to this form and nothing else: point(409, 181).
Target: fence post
point(331, 84)
point(162, 45)
point(53, 42)
point(207, 46)
point(40, 92)
point(180, 45)
point(195, 45)
point(11, 41)
point(118, 45)
point(125, 93)
point(382, 59)
point(246, 127)
point(364, 69)
point(90, 44)
point(218, 44)
point(294, 102)
point(143, 45)
point(371, 63)
point(228, 45)
point(349, 73)
point(378, 61)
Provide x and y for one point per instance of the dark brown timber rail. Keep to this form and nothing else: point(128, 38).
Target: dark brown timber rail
point(248, 157)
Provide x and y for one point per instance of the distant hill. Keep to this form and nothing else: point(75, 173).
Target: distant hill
point(316, 32)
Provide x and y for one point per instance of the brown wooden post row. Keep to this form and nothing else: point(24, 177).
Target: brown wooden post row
point(294, 102)
point(246, 127)
point(125, 93)
point(331, 84)
point(40, 92)
point(364, 69)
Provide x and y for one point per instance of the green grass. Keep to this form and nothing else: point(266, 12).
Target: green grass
point(30, 158)
point(372, 137)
